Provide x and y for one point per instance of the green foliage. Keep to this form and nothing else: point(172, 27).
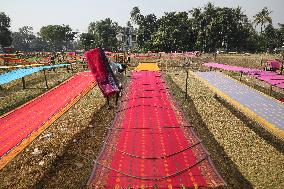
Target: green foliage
point(262, 18)
point(174, 33)
point(135, 15)
point(281, 34)
point(38, 44)
point(5, 33)
point(205, 29)
point(216, 27)
point(58, 37)
point(23, 38)
point(104, 34)
point(271, 36)
point(87, 41)
point(147, 26)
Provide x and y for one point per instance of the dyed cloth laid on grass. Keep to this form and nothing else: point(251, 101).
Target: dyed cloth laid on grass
point(269, 77)
point(11, 67)
point(272, 79)
point(191, 54)
point(19, 73)
point(262, 108)
point(99, 66)
point(21, 126)
point(151, 144)
point(273, 64)
point(147, 66)
point(230, 68)
point(281, 85)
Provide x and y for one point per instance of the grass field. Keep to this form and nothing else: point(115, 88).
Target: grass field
point(251, 61)
point(13, 95)
point(245, 155)
point(65, 151)
point(62, 157)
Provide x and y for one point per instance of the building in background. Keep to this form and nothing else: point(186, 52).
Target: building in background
point(127, 38)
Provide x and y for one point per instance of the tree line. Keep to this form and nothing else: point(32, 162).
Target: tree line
point(207, 29)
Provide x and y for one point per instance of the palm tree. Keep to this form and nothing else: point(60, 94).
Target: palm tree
point(262, 18)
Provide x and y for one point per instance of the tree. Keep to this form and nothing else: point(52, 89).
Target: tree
point(281, 28)
point(281, 35)
point(38, 44)
point(173, 33)
point(204, 25)
point(272, 38)
point(104, 33)
point(208, 29)
point(146, 29)
point(147, 25)
point(135, 15)
point(216, 27)
point(58, 37)
point(5, 33)
point(23, 38)
point(87, 40)
point(262, 18)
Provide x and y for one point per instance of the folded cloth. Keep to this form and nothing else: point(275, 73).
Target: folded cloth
point(100, 68)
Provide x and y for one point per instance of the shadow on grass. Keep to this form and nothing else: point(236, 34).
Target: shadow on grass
point(73, 167)
point(277, 143)
point(225, 166)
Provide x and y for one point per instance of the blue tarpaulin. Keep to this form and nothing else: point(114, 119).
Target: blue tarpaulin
point(19, 73)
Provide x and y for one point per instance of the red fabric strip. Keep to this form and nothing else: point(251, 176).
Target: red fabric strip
point(19, 124)
point(146, 146)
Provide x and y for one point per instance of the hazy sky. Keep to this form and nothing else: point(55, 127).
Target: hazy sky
point(79, 13)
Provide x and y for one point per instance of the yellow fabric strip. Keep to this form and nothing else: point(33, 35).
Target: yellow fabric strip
point(147, 66)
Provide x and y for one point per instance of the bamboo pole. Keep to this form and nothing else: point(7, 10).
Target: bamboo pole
point(45, 78)
point(186, 83)
point(24, 82)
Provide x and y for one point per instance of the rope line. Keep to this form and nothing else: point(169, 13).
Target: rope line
point(154, 106)
point(155, 178)
point(155, 158)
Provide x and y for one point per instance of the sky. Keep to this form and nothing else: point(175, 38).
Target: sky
point(79, 13)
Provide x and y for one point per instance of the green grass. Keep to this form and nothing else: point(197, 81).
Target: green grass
point(13, 95)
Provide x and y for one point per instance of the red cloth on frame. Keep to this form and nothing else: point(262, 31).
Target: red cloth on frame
point(99, 66)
